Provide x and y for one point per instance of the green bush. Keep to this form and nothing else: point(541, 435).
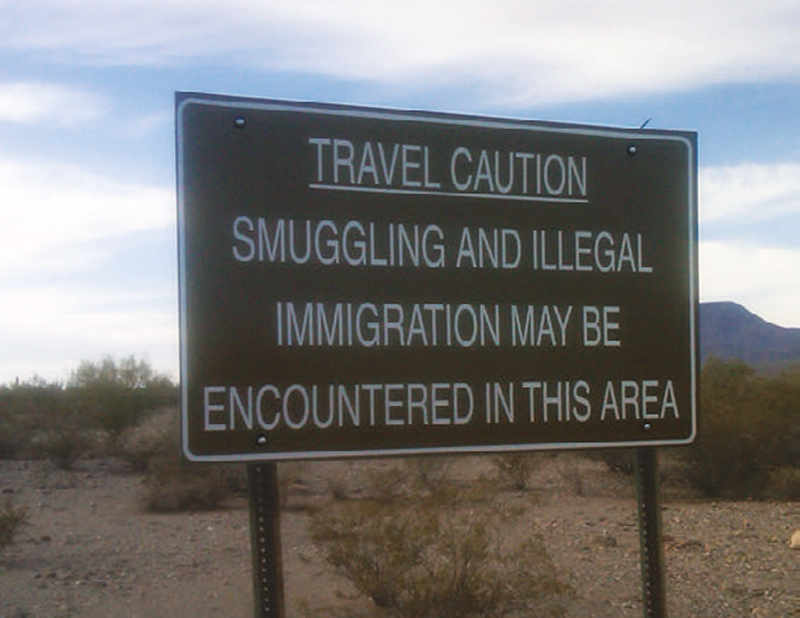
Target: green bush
point(434, 556)
point(44, 419)
point(13, 438)
point(63, 445)
point(116, 395)
point(28, 411)
point(748, 431)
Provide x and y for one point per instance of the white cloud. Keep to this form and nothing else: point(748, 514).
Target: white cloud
point(544, 51)
point(762, 278)
point(750, 271)
point(749, 192)
point(29, 102)
point(59, 223)
point(48, 330)
point(149, 124)
point(56, 215)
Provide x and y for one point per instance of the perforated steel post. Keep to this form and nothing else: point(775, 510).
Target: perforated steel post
point(265, 540)
point(649, 513)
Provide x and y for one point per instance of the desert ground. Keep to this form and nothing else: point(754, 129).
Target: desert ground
point(91, 549)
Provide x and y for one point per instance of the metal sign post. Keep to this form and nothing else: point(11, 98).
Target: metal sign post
point(265, 540)
point(654, 598)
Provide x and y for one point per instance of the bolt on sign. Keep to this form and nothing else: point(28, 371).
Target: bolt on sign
point(358, 281)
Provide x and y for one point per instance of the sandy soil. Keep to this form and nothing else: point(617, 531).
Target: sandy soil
point(90, 549)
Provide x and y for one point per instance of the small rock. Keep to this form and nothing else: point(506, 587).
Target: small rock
point(604, 540)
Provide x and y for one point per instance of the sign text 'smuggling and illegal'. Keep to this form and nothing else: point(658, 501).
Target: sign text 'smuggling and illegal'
point(364, 282)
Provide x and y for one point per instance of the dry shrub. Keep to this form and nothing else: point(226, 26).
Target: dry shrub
point(65, 438)
point(172, 483)
point(63, 447)
point(157, 436)
point(618, 460)
point(387, 485)
point(569, 469)
point(430, 473)
point(784, 484)
point(177, 485)
point(434, 556)
point(338, 485)
point(11, 520)
point(515, 467)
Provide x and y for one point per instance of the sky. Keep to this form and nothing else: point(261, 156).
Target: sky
point(88, 256)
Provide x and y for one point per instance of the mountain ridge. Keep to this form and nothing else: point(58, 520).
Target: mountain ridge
point(729, 331)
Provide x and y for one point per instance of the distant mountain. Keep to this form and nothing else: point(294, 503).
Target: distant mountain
point(729, 331)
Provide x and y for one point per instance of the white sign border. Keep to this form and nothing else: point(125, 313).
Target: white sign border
point(184, 100)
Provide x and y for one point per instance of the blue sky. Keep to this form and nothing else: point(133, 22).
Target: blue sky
point(87, 243)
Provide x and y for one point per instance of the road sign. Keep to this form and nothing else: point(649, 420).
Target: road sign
point(358, 281)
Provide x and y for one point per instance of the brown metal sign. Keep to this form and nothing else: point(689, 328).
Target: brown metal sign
point(360, 281)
